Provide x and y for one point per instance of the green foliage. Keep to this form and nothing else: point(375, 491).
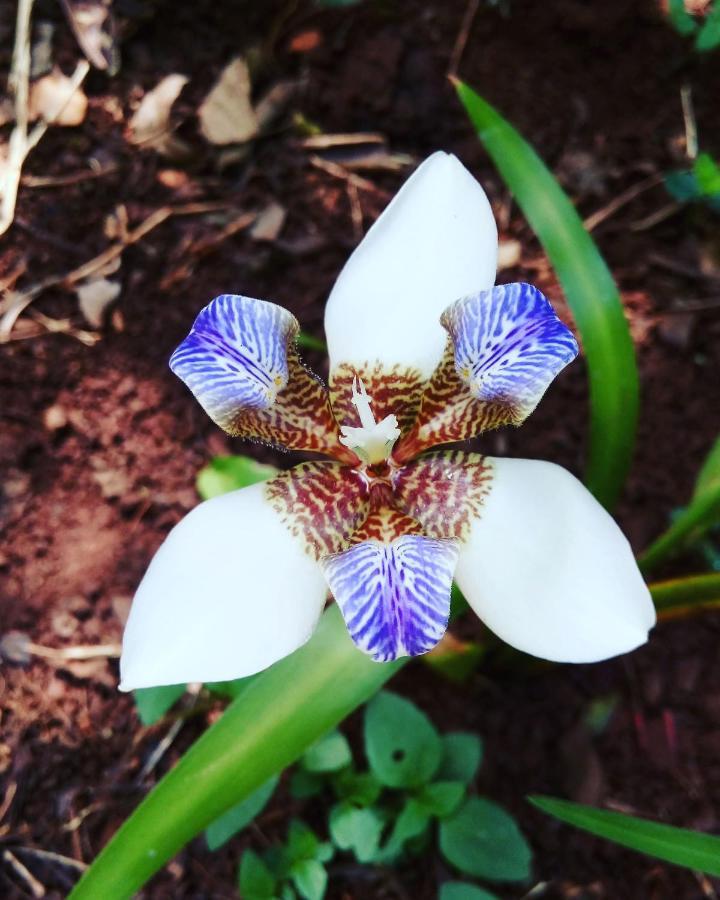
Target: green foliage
point(229, 473)
point(223, 828)
point(706, 32)
point(701, 184)
point(481, 839)
point(462, 890)
point(692, 849)
point(330, 754)
point(357, 829)
point(152, 703)
point(402, 746)
point(461, 756)
point(701, 514)
point(590, 290)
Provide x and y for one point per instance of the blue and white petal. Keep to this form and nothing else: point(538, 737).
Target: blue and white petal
point(509, 345)
point(236, 356)
point(229, 592)
point(548, 570)
point(394, 597)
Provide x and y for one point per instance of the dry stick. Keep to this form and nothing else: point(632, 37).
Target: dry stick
point(97, 651)
point(622, 200)
point(36, 887)
point(691, 135)
point(18, 83)
point(463, 34)
point(16, 303)
point(49, 856)
point(338, 171)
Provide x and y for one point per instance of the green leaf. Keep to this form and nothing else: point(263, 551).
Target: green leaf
point(152, 703)
point(283, 711)
point(356, 829)
point(441, 798)
point(229, 473)
point(412, 823)
point(461, 756)
point(707, 173)
point(310, 879)
point(681, 19)
point(455, 660)
point(302, 842)
point(360, 788)
point(462, 890)
point(701, 514)
point(255, 880)
point(223, 828)
point(304, 784)
point(682, 186)
point(401, 744)
point(679, 596)
point(330, 754)
point(230, 689)
point(691, 849)
point(709, 35)
point(310, 342)
point(589, 288)
point(481, 839)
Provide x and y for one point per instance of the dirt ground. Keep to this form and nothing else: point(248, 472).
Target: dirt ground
point(100, 444)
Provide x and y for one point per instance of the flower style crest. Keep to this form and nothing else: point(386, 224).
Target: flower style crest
point(424, 351)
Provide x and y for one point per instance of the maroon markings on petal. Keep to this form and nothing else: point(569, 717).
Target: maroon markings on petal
point(393, 391)
point(444, 491)
point(322, 503)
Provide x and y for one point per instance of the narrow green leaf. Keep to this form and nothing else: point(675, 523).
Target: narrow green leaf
point(708, 37)
point(681, 19)
point(462, 890)
point(152, 703)
point(701, 514)
point(330, 754)
point(678, 596)
point(229, 473)
point(462, 754)
point(310, 879)
point(481, 839)
point(707, 174)
point(412, 823)
point(310, 342)
point(692, 849)
point(401, 744)
point(590, 290)
point(228, 824)
point(255, 880)
point(268, 727)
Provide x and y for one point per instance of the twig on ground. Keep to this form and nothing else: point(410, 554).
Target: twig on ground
point(76, 79)
point(660, 215)
point(36, 887)
point(16, 303)
point(338, 171)
point(621, 200)
point(8, 799)
point(462, 37)
point(49, 856)
point(688, 111)
point(53, 181)
point(356, 214)
point(97, 651)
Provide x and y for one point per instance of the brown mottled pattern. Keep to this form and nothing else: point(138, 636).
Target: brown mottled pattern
point(386, 524)
point(444, 491)
point(322, 503)
point(449, 412)
point(301, 417)
point(396, 390)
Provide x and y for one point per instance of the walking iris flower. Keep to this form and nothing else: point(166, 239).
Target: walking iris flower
point(385, 522)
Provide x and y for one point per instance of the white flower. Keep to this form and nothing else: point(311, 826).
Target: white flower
point(423, 351)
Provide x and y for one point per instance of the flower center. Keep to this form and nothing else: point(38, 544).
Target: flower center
point(372, 441)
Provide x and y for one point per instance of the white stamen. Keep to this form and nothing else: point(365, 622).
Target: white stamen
point(372, 441)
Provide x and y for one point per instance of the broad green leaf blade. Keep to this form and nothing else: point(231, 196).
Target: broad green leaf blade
point(268, 727)
point(462, 890)
point(229, 823)
point(152, 703)
point(355, 829)
point(255, 880)
point(330, 754)
point(462, 754)
point(481, 839)
point(681, 19)
point(401, 744)
point(589, 288)
point(441, 798)
point(229, 473)
point(702, 513)
point(692, 849)
point(310, 879)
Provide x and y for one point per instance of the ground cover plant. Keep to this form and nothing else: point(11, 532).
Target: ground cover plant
point(184, 202)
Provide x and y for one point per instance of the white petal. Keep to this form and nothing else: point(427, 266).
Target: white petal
point(229, 592)
point(548, 570)
point(435, 242)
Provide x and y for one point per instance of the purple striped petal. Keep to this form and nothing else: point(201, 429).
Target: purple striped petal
point(235, 357)
point(509, 344)
point(395, 597)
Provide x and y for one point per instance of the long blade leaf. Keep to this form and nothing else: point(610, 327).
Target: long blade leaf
point(692, 849)
point(590, 290)
point(278, 716)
